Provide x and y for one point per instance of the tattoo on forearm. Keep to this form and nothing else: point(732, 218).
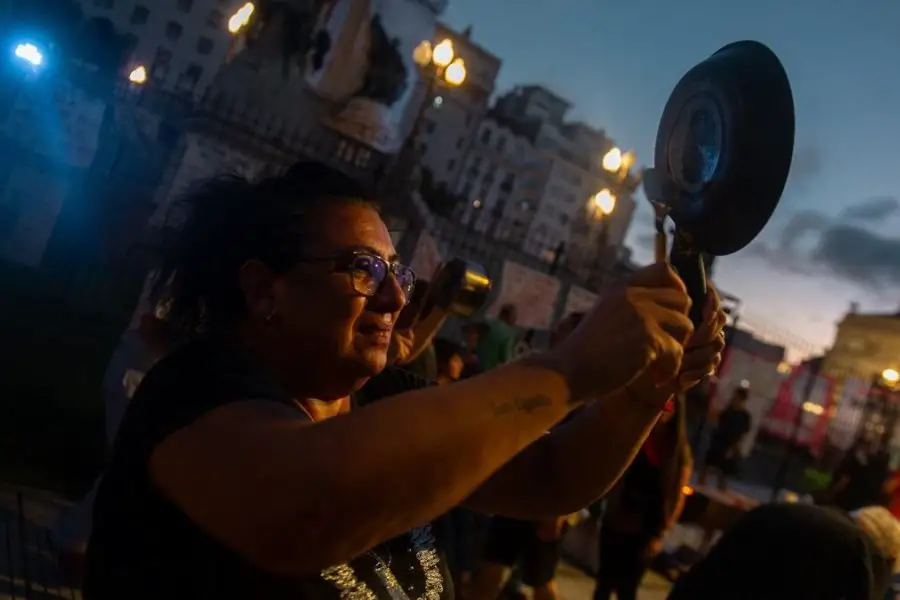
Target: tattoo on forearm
point(528, 404)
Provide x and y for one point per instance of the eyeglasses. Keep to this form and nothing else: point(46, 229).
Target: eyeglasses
point(368, 272)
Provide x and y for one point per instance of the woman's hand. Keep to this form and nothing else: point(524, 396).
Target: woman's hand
point(703, 352)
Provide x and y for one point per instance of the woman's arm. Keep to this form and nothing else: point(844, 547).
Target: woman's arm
point(563, 471)
point(295, 497)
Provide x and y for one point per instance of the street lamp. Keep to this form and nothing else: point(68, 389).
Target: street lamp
point(603, 203)
point(138, 75)
point(30, 54)
point(612, 160)
point(241, 18)
point(447, 66)
point(439, 65)
point(890, 377)
point(617, 162)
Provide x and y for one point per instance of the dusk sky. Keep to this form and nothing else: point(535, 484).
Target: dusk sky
point(835, 238)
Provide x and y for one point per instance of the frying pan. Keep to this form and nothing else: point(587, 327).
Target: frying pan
point(723, 154)
point(459, 288)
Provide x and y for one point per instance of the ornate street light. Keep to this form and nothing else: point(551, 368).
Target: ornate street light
point(442, 58)
point(241, 18)
point(138, 75)
point(602, 204)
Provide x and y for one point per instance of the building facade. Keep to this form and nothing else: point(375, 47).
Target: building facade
point(864, 346)
point(547, 172)
point(181, 43)
point(493, 187)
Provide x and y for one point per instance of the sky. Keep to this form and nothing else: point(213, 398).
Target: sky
point(835, 237)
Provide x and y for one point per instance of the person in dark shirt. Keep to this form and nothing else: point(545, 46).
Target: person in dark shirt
point(248, 466)
point(858, 479)
point(797, 552)
point(643, 507)
point(724, 452)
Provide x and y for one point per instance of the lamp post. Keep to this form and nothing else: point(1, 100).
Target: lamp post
point(618, 163)
point(439, 66)
point(600, 207)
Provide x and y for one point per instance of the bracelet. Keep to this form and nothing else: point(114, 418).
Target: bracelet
point(668, 407)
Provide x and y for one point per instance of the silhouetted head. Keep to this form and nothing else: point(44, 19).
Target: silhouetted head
point(508, 314)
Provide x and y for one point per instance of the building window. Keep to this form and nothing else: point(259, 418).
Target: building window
point(160, 67)
point(451, 165)
point(501, 144)
point(139, 15)
point(173, 30)
point(486, 136)
point(204, 45)
point(430, 126)
point(460, 142)
point(215, 19)
point(104, 3)
point(185, 6)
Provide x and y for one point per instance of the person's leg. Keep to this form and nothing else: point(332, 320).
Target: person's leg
point(607, 553)
point(634, 563)
point(539, 568)
point(501, 551)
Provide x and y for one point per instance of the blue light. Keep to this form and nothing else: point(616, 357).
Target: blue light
point(30, 54)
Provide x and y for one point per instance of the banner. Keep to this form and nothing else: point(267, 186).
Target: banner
point(531, 292)
point(361, 58)
point(426, 258)
point(579, 300)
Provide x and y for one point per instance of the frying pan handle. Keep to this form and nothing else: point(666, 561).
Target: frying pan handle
point(688, 263)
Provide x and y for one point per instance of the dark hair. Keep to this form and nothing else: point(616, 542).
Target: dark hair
point(232, 220)
point(444, 350)
point(507, 310)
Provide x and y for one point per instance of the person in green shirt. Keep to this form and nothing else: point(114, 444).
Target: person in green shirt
point(496, 344)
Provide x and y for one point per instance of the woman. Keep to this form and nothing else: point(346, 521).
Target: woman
point(644, 506)
point(243, 468)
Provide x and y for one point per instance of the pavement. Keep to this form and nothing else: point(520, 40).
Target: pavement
point(575, 585)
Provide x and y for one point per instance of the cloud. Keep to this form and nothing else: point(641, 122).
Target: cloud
point(812, 243)
point(873, 209)
point(860, 255)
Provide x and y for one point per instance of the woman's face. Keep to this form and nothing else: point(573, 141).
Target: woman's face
point(325, 330)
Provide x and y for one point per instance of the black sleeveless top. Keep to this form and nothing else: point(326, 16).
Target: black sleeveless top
point(144, 547)
point(641, 496)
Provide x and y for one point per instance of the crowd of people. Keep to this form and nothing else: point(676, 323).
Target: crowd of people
point(283, 439)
